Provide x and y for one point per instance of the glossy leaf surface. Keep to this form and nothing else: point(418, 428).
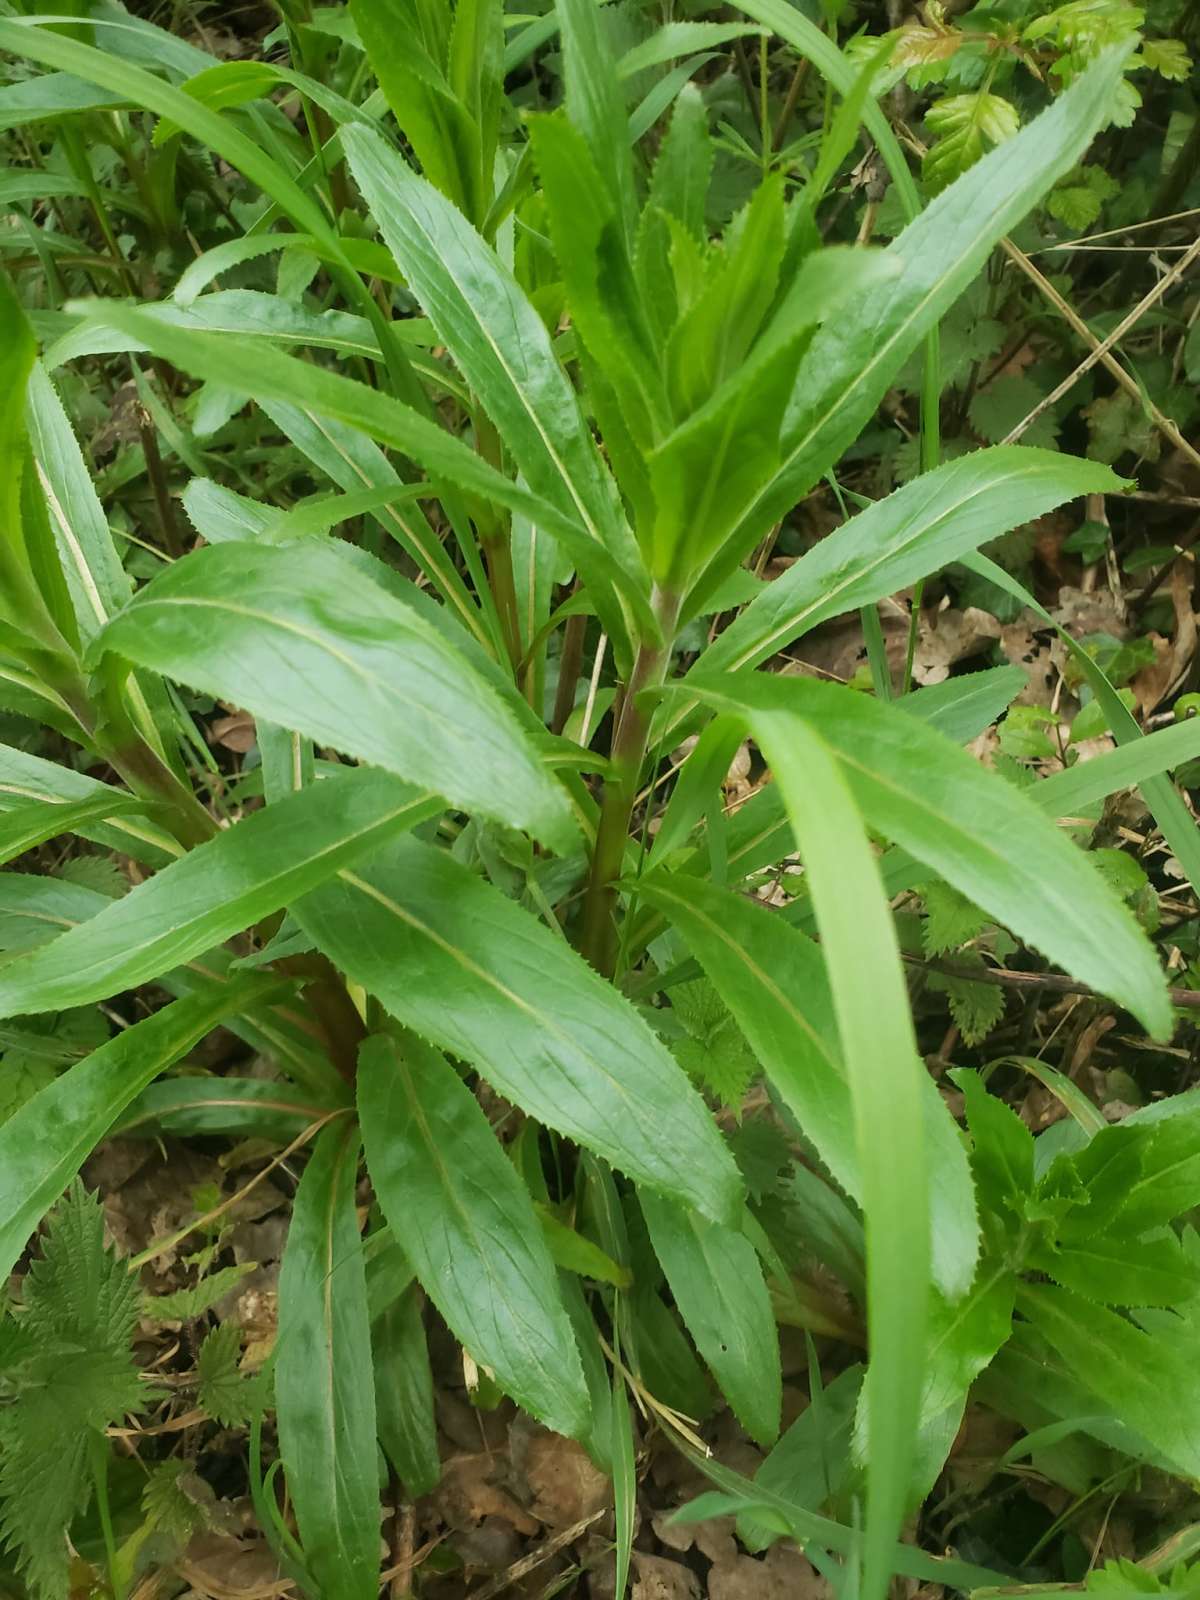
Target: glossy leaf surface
point(465, 1220)
point(216, 890)
point(456, 961)
point(294, 635)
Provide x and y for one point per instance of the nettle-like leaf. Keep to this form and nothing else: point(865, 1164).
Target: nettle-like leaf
point(1168, 57)
point(69, 1376)
point(184, 1305)
point(950, 919)
point(223, 1391)
point(714, 1052)
point(976, 1007)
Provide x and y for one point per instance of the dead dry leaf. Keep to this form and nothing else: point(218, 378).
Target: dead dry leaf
point(782, 1574)
point(953, 636)
point(564, 1486)
point(656, 1578)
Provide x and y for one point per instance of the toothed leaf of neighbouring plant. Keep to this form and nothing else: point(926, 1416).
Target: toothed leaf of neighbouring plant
point(229, 1396)
point(95, 872)
point(37, 1049)
point(67, 1376)
point(174, 1501)
point(715, 1053)
point(1077, 200)
point(763, 1154)
point(1168, 57)
point(950, 919)
point(965, 126)
point(1007, 401)
point(186, 1304)
point(975, 1007)
point(1124, 1578)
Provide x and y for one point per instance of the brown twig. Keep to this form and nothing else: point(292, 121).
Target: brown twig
point(1006, 978)
point(1100, 349)
point(536, 1558)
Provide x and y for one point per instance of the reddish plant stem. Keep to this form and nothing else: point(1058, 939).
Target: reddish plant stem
point(570, 662)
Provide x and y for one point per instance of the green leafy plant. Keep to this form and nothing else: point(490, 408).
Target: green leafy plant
point(990, 62)
point(560, 413)
point(68, 1373)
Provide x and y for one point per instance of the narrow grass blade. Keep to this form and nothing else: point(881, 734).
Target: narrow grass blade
point(871, 1002)
point(1160, 794)
point(325, 1391)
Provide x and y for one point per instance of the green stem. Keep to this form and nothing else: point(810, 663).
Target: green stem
point(126, 748)
point(156, 472)
point(98, 1452)
point(335, 1012)
point(598, 931)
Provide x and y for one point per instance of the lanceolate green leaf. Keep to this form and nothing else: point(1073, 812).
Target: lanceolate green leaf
point(98, 583)
point(854, 358)
point(595, 103)
point(717, 1283)
point(983, 835)
point(366, 255)
point(355, 462)
point(293, 634)
point(34, 909)
point(243, 1107)
point(773, 979)
point(885, 1072)
point(25, 777)
point(675, 39)
point(917, 530)
point(44, 1144)
point(32, 824)
point(324, 1388)
point(467, 1224)
point(267, 374)
point(404, 1393)
point(408, 46)
point(961, 1340)
point(1067, 793)
point(243, 874)
point(1149, 1380)
point(498, 340)
point(456, 961)
point(236, 313)
point(48, 97)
